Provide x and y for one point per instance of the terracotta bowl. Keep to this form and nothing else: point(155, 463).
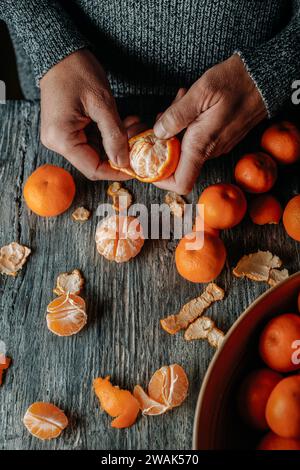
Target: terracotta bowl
point(217, 424)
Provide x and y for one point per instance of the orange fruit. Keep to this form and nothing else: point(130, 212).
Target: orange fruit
point(119, 238)
point(282, 141)
point(256, 172)
point(253, 395)
point(206, 228)
point(291, 218)
point(118, 403)
point(4, 364)
point(299, 302)
point(66, 315)
point(283, 408)
point(152, 159)
point(167, 389)
point(275, 343)
point(44, 420)
point(202, 264)
point(273, 442)
point(224, 205)
point(265, 209)
point(49, 191)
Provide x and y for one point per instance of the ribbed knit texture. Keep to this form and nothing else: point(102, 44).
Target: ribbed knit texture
point(152, 47)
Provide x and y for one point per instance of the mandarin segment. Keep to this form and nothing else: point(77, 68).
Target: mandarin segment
point(119, 404)
point(66, 315)
point(169, 386)
point(148, 406)
point(49, 191)
point(119, 238)
point(45, 420)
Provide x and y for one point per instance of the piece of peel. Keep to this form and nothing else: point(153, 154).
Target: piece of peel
point(193, 309)
point(12, 258)
point(204, 328)
point(148, 406)
point(215, 337)
point(71, 283)
point(122, 199)
point(257, 266)
point(176, 203)
point(4, 364)
point(118, 403)
point(81, 214)
point(277, 275)
point(199, 329)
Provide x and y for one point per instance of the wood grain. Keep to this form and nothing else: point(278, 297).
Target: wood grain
point(125, 302)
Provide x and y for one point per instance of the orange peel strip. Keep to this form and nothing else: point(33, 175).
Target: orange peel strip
point(118, 403)
point(204, 328)
point(257, 266)
point(193, 309)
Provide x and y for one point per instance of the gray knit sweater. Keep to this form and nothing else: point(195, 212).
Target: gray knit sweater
point(152, 47)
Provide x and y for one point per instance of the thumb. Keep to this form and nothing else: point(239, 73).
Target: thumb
point(178, 116)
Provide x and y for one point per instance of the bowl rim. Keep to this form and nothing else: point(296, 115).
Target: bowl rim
point(219, 352)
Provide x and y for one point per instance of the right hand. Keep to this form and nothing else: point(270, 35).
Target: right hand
point(75, 92)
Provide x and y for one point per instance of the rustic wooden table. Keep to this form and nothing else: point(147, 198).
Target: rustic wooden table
point(123, 337)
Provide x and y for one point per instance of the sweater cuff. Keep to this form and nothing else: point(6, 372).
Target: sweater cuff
point(47, 33)
point(274, 66)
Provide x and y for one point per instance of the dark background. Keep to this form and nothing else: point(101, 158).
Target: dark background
point(8, 71)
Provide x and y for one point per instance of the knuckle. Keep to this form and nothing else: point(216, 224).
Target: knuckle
point(103, 97)
point(92, 175)
point(49, 136)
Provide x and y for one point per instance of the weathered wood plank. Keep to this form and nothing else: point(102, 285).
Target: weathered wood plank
point(125, 302)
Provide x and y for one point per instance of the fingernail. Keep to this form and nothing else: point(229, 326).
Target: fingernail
point(159, 130)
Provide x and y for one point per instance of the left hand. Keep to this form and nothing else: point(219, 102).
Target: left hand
point(216, 112)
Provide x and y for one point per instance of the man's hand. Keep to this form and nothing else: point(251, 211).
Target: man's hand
point(217, 112)
point(73, 93)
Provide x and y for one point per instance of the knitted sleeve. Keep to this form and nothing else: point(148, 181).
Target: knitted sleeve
point(275, 65)
point(47, 33)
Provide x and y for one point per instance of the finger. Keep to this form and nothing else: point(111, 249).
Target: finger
point(73, 145)
point(102, 109)
point(130, 120)
point(178, 116)
point(180, 93)
point(201, 142)
point(136, 129)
